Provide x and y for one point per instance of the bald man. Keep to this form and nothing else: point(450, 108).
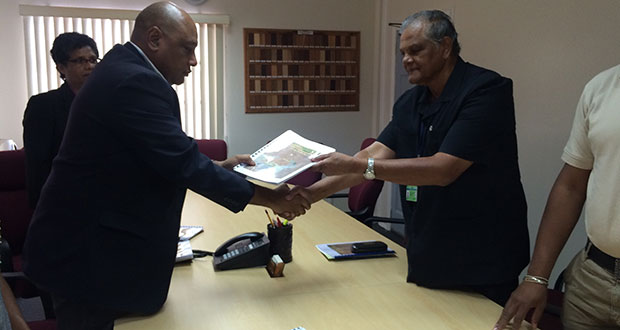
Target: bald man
point(103, 238)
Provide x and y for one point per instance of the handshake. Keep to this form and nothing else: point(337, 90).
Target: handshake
point(285, 202)
point(291, 203)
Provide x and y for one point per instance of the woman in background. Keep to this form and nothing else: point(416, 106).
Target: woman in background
point(46, 114)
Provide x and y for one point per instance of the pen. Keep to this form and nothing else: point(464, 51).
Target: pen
point(277, 219)
point(270, 221)
point(285, 222)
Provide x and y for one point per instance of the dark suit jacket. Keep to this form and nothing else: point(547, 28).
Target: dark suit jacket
point(106, 227)
point(44, 123)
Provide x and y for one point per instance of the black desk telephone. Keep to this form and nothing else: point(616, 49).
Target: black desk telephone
point(245, 250)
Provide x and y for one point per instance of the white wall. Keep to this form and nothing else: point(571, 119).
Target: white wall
point(343, 130)
point(13, 89)
point(550, 49)
point(244, 132)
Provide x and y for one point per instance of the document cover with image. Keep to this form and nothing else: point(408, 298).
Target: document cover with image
point(283, 158)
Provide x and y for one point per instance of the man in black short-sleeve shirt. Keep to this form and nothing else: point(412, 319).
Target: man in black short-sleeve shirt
point(451, 145)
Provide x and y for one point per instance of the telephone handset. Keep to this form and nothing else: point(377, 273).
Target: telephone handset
point(245, 250)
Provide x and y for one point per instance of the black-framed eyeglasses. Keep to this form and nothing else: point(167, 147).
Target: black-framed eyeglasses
point(84, 60)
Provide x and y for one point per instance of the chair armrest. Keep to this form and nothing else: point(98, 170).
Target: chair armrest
point(338, 195)
point(8, 275)
point(372, 220)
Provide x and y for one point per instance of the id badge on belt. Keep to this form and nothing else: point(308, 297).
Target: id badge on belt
point(411, 193)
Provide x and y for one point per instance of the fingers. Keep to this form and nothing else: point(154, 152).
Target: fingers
point(506, 316)
point(287, 215)
point(538, 312)
point(301, 191)
point(519, 316)
point(321, 157)
point(282, 189)
point(294, 192)
point(290, 209)
point(246, 159)
point(304, 203)
point(317, 167)
point(527, 296)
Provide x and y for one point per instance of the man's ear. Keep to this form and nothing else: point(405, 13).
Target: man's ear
point(153, 37)
point(446, 46)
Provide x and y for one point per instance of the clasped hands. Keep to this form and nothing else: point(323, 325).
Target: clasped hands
point(290, 203)
point(334, 163)
point(279, 200)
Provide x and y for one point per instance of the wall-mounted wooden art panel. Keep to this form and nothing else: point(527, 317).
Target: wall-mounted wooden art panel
point(301, 70)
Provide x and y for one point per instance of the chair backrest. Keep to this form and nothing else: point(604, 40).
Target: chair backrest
point(15, 212)
point(213, 148)
point(365, 194)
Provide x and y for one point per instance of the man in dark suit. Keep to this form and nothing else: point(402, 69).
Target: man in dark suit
point(103, 238)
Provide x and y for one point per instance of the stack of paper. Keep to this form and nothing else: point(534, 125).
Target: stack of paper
point(187, 232)
point(283, 158)
point(184, 248)
point(184, 251)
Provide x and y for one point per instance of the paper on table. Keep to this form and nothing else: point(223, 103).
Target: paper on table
point(187, 232)
point(184, 251)
point(283, 158)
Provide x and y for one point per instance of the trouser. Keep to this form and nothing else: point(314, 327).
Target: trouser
point(592, 298)
point(72, 315)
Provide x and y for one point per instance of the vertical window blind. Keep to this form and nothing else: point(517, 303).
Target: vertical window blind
point(200, 97)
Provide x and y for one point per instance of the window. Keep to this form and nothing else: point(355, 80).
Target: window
point(200, 97)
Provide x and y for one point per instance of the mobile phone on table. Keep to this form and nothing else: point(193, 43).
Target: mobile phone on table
point(372, 246)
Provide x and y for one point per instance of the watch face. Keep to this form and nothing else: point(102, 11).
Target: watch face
point(369, 175)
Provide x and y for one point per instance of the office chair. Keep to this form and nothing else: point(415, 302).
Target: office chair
point(396, 232)
point(15, 213)
point(362, 198)
point(213, 148)
point(15, 216)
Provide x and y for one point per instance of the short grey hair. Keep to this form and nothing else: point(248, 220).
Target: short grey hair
point(439, 26)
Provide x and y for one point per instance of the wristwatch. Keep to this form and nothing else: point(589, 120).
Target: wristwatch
point(369, 174)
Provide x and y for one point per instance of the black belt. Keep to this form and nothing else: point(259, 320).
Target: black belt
point(602, 259)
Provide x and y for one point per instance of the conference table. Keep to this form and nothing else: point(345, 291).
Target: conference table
point(314, 293)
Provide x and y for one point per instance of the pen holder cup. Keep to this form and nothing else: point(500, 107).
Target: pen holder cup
point(281, 241)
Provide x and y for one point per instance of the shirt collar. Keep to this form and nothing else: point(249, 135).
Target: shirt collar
point(147, 60)
point(452, 85)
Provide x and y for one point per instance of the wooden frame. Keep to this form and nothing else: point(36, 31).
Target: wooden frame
point(301, 70)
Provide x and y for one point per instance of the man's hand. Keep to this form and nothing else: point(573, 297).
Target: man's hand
point(234, 161)
point(525, 297)
point(336, 163)
point(289, 206)
point(301, 191)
